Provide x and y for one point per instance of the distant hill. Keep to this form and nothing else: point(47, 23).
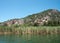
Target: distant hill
point(47, 17)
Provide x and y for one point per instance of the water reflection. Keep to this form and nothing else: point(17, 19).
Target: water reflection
point(30, 38)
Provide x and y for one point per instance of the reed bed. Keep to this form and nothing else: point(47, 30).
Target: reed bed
point(31, 30)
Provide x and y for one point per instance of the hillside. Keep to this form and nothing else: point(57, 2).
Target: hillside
point(47, 17)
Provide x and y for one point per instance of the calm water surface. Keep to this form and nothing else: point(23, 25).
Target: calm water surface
point(29, 38)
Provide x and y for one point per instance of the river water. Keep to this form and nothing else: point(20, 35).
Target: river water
point(30, 38)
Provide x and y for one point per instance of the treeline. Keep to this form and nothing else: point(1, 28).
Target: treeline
point(52, 23)
point(49, 23)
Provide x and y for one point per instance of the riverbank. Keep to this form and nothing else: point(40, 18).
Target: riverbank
point(31, 30)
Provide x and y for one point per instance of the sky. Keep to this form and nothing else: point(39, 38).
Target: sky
point(10, 9)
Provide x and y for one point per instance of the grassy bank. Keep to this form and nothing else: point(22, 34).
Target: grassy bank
point(30, 30)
